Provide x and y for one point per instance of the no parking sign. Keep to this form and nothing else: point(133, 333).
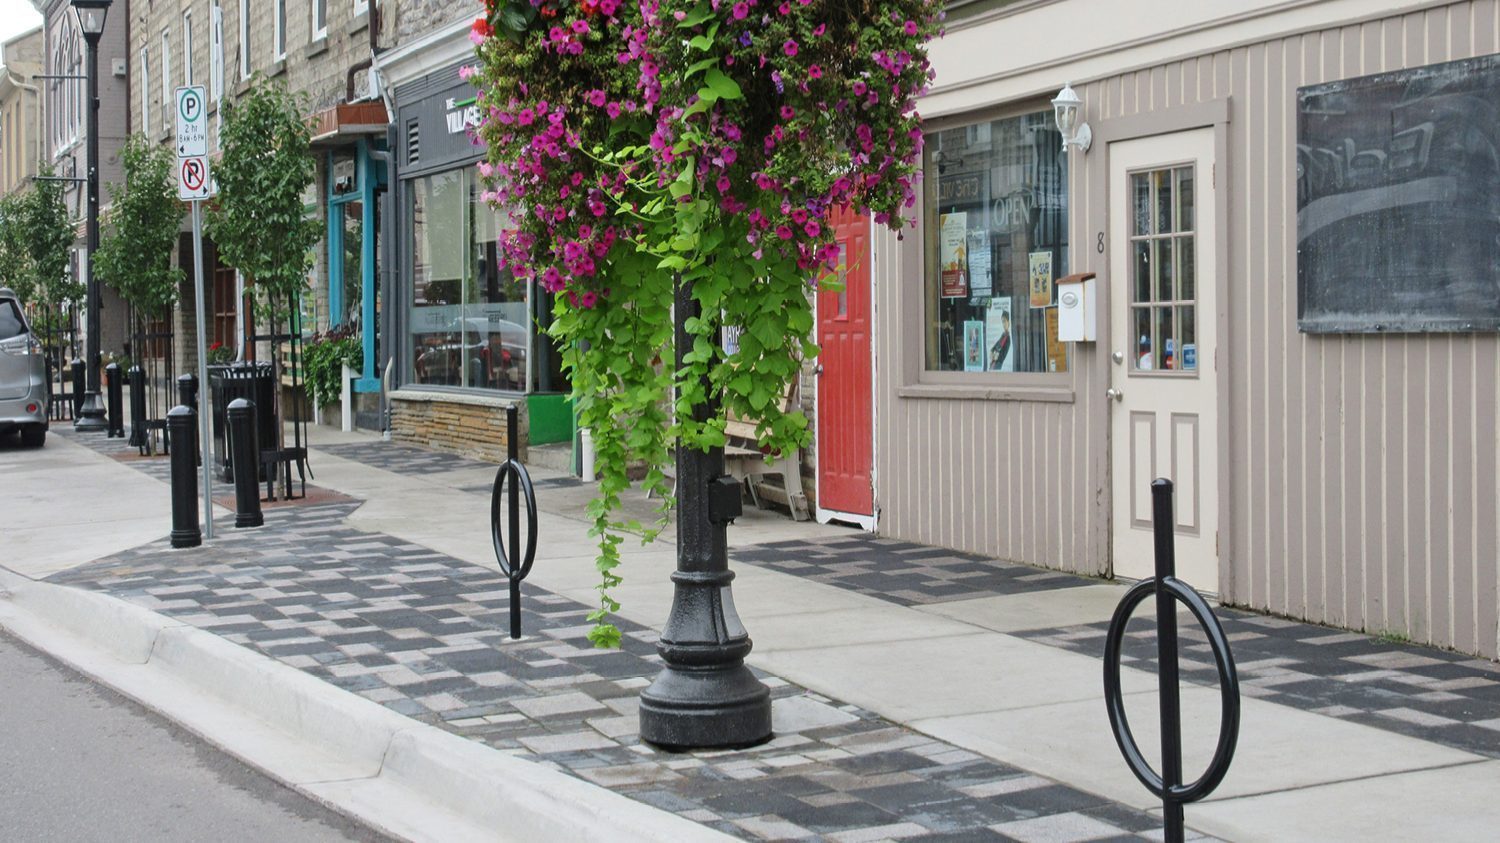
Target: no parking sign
point(192, 179)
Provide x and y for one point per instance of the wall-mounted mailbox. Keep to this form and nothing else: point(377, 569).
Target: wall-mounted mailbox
point(1077, 308)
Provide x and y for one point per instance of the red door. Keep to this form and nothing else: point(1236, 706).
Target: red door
point(845, 413)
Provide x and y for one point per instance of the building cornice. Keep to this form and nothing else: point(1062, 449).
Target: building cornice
point(433, 51)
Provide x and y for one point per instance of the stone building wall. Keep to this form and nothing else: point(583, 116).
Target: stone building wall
point(471, 425)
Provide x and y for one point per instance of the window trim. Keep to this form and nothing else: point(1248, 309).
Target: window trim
point(278, 29)
point(145, 87)
point(917, 381)
point(319, 9)
point(166, 76)
point(187, 48)
point(245, 64)
point(216, 53)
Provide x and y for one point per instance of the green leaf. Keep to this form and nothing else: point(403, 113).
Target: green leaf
point(698, 67)
point(722, 86)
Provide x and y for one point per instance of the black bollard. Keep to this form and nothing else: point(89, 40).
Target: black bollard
point(182, 425)
point(116, 401)
point(244, 455)
point(137, 377)
point(76, 368)
point(187, 391)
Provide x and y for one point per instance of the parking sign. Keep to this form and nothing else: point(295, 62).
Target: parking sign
point(192, 122)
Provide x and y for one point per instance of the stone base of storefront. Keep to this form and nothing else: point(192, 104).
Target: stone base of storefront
point(471, 425)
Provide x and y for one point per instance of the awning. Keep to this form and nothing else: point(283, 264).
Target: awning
point(348, 121)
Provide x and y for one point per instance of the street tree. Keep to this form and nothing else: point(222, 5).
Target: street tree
point(135, 254)
point(259, 223)
point(15, 258)
point(49, 237)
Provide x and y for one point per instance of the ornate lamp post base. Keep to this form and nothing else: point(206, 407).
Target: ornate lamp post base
point(91, 416)
point(705, 697)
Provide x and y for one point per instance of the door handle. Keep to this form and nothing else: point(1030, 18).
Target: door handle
point(1113, 394)
point(818, 369)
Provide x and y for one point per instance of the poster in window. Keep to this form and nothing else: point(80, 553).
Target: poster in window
point(981, 282)
point(1057, 353)
point(953, 229)
point(1041, 278)
point(1001, 356)
point(973, 345)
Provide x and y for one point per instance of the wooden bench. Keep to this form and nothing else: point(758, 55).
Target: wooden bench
point(746, 461)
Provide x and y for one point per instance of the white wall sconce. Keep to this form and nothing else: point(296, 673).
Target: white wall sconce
point(1065, 111)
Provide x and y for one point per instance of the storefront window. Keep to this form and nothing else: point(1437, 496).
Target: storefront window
point(996, 243)
point(468, 317)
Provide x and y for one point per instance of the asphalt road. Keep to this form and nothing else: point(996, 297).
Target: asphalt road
point(79, 762)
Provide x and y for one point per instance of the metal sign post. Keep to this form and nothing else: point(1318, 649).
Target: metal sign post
point(193, 186)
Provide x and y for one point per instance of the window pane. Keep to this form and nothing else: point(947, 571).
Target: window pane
point(996, 240)
point(1142, 333)
point(11, 325)
point(1187, 335)
point(1162, 180)
point(1142, 270)
point(353, 254)
point(1164, 270)
point(1165, 348)
point(1185, 199)
point(495, 308)
point(437, 273)
point(1140, 201)
point(1186, 269)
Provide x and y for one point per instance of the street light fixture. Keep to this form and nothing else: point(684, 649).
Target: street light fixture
point(91, 17)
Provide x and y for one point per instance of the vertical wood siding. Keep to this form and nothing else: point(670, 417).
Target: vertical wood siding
point(1362, 470)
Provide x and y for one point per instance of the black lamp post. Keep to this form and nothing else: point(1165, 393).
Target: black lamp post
point(705, 696)
point(91, 15)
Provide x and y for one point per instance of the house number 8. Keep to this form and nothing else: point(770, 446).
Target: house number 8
point(1100, 247)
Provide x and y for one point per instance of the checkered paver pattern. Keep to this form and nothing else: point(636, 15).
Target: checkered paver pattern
point(1447, 698)
point(402, 459)
point(426, 635)
point(902, 572)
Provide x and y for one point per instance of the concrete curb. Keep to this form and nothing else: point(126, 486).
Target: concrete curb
point(398, 775)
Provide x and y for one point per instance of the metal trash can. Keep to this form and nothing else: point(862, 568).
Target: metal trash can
point(254, 382)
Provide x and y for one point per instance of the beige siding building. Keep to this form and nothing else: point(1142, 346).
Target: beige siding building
point(20, 109)
point(1287, 322)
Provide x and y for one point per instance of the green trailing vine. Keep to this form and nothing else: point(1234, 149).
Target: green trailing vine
point(635, 146)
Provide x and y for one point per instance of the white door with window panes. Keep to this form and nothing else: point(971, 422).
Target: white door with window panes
point(1164, 410)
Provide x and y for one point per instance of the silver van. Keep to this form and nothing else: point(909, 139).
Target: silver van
point(23, 376)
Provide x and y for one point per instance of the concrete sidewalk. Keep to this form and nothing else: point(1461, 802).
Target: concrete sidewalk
point(920, 693)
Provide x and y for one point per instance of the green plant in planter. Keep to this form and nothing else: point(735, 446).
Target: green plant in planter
point(638, 145)
point(323, 360)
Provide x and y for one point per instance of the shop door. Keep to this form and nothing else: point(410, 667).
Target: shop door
point(845, 412)
point(1162, 381)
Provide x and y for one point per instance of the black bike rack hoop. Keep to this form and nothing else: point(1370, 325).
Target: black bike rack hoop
point(1169, 590)
point(511, 481)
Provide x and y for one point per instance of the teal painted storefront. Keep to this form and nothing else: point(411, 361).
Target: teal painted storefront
point(369, 176)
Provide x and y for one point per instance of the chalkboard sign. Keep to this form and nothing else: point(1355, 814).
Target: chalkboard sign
point(1398, 201)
